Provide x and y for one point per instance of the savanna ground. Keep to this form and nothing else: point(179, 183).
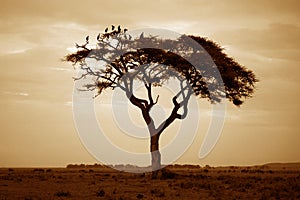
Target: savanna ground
point(276, 181)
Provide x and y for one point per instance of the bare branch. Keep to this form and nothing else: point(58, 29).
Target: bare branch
point(156, 99)
point(149, 91)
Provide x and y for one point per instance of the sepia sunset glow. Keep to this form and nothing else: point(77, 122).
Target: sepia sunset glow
point(37, 126)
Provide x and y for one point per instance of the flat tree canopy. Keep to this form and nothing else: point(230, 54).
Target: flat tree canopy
point(238, 81)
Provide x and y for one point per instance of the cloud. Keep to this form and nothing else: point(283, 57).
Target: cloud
point(17, 51)
point(275, 41)
point(275, 36)
point(131, 13)
point(68, 103)
point(24, 94)
point(59, 69)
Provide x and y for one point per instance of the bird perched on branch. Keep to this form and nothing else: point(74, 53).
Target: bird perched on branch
point(112, 27)
point(106, 30)
point(142, 35)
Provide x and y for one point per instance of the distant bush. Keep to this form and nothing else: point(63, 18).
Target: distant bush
point(62, 194)
point(187, 185)
point(166, 174)
point(38, 170)
point(96, 165)
point(157, 192)
point(177, 166)
point(101, 193)
point(76, 166)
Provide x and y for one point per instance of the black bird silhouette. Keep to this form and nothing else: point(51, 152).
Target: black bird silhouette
point(98, 36)
point(119, 28)
point(106, 30)
point(142, 35)
point(112, 27)
point(87, 39)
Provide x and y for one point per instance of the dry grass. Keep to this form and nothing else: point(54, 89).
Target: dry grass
point(178, 182)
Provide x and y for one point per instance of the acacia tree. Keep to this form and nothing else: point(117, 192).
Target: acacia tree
point(125, 59)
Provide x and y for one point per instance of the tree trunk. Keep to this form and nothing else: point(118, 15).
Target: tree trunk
point(155, 155)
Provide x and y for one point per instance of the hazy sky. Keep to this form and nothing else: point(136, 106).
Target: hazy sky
point(37, 127)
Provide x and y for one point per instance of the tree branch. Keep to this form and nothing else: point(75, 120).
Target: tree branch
point(174, 114)
point(171, 118)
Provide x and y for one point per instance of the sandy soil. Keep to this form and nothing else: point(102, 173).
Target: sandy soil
point(274, 181)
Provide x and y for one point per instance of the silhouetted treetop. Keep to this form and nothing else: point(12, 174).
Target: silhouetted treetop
point(125, 58)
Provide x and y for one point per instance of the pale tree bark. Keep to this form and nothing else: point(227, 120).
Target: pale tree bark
point(155, 155)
